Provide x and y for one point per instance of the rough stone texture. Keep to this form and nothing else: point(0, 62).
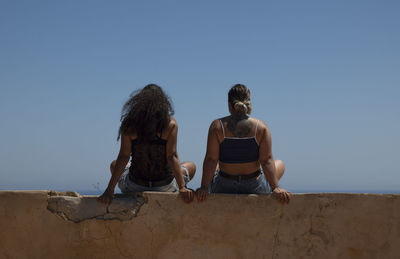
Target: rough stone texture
point(78, 209)
point(44, 224)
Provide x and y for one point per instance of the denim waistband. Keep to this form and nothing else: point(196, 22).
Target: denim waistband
point(240, 177)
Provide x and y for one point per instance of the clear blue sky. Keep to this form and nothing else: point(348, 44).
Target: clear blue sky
point(324, 75)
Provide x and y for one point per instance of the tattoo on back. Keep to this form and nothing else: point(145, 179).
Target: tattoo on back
point(239, 126)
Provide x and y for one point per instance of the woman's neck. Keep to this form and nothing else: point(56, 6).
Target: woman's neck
point(240, 126)
point(237, 117)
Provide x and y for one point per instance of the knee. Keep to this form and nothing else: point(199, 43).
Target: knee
point(281, 165)
point(112, 165)
point(192, 167)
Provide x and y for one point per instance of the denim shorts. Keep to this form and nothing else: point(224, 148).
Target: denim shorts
point(126, 185)
point(256, 185)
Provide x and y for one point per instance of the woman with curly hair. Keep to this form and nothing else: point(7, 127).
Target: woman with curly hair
point(148, 134)
point(240, 146)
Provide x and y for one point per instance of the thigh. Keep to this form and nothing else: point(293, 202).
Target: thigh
point(186, 176)
point(189, 168)
point(174, 185)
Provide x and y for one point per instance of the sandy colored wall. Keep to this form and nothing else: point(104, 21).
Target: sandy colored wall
point(43, 224)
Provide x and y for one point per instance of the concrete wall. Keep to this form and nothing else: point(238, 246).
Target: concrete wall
point(43, 224)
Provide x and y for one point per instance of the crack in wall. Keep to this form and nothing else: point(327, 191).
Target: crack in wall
point(77, 208)
point(150, 229)
point(276, 233)
point(116, 242)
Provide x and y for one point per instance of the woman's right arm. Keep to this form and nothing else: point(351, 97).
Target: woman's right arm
point(122, 160)
point(210, 161)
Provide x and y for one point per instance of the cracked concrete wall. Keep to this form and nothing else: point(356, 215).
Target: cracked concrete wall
point(43, 224)
point(77, 209)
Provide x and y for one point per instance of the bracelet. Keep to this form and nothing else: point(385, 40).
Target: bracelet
point(272, 189)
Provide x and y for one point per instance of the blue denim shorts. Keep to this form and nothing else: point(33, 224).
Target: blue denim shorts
point(256, 185)
point(126, 185)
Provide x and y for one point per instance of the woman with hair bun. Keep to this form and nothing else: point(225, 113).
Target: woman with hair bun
point(148, 134)
point(239, 154)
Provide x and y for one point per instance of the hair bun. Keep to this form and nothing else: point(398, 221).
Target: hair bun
point(240, 108)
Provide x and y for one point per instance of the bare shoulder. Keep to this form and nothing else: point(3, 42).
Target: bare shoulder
point(222, 120)
point(216, 129)
point(262, 125)
point(262, 128)
point(171, 125)
point(215, 124)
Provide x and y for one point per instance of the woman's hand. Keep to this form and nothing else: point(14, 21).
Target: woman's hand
point(202, 194)
point(282, 195)
point(186, 194)
point(107, 197)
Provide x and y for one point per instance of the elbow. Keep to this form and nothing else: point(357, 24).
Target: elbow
point(210, 160)
point(266, 162)
point(172, 157)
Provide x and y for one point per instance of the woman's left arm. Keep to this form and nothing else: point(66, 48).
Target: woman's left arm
point(210, 161)
point(174, 163)
point(268, 165)
point(122, 160)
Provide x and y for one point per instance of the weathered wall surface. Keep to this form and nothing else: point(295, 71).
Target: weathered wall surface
point(42, 224)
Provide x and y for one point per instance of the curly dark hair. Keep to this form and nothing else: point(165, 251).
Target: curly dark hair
point(146, 113)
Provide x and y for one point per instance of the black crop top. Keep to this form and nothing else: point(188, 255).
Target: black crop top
point(149, 160)
point(238, 150)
